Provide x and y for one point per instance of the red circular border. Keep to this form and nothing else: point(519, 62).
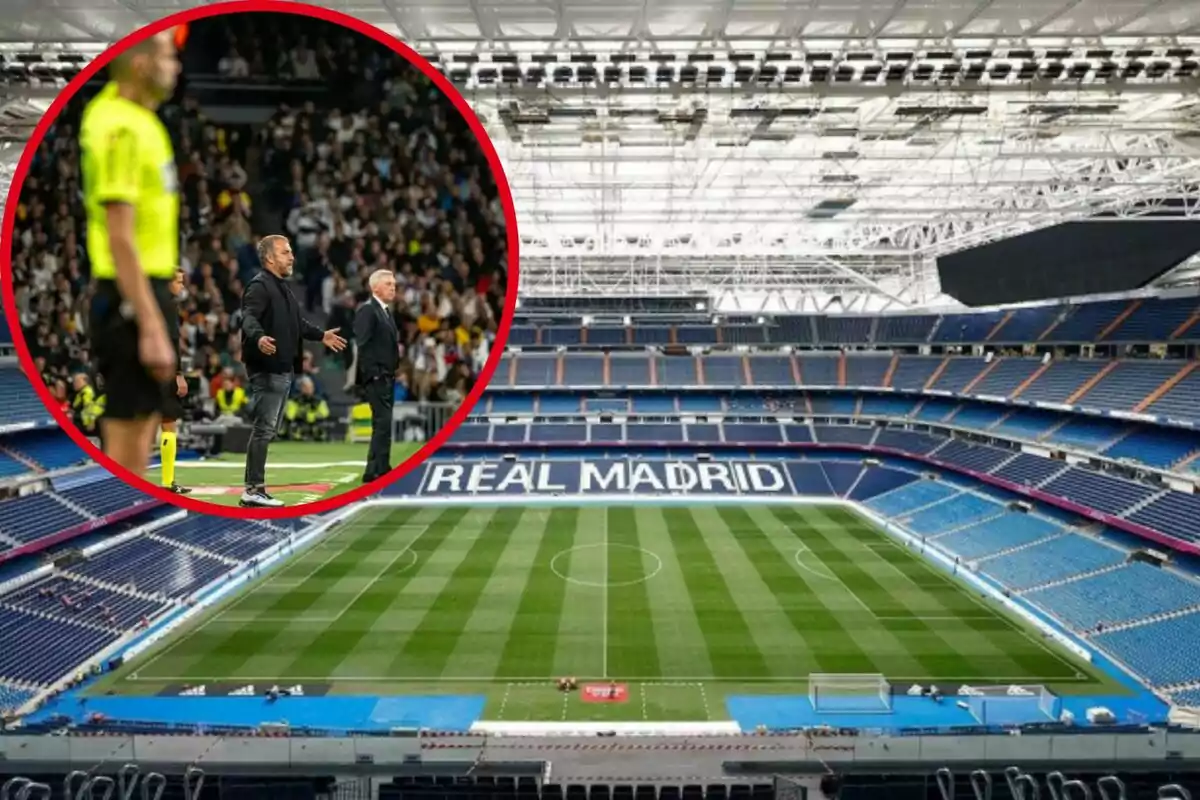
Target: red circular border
point(358, 26)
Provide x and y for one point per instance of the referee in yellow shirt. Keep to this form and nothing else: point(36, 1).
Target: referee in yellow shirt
point(131, 194)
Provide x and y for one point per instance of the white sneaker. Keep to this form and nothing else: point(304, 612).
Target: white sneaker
point(260, 499)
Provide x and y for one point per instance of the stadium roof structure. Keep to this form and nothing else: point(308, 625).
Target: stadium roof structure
point(778, 154)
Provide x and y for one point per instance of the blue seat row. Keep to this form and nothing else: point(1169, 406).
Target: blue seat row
point(1133, 592)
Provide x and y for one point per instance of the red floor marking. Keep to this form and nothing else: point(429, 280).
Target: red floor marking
point(604, 693)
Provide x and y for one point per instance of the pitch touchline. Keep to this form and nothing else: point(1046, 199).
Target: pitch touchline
point(407, 549)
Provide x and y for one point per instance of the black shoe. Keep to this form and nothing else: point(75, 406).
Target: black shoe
point(258, 498)
point(177, 489)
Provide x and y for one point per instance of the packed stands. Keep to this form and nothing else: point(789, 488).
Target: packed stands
point(427, 183)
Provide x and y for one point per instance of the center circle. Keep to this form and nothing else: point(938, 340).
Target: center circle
point(609, 584)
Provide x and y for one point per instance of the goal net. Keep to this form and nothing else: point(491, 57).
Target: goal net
point(849, 693)
point(1016, 705)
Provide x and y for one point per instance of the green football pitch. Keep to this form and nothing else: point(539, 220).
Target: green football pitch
point(685, 605)
point(297, 472)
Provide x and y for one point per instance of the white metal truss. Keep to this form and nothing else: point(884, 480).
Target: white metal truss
point(773, 153)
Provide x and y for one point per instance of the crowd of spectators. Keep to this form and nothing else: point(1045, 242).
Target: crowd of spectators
point(363, 162)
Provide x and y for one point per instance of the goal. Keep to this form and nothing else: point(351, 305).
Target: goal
point(844, 693)
point(1016, 705)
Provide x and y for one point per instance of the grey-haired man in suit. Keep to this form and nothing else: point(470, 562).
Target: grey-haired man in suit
point(378, 344)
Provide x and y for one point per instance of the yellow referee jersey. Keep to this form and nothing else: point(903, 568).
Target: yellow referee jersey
point(127, 157)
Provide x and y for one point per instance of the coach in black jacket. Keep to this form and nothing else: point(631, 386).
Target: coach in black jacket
point(273, 336)
point(378, 344)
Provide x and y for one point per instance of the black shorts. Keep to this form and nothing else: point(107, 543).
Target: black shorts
point(131, 392)
point(172, 405)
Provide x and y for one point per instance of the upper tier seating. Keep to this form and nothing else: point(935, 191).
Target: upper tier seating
point(1060, 380)
point(1125, 385)
point(960, 328)
point(1154, 320)
point(1005, 376)
point(1174, 513)
point(1182, 401)
point(1101, 492)
point(1128, 384)
point(1126, 321)
point(978, 457)
point(1028, 470)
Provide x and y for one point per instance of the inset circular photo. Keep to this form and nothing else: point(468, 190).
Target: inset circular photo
point(261, 259)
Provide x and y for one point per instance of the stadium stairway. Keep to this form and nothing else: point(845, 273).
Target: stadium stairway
point(21, 458)
point(193, 549)
point(112, 587)
point(1047, 434)
point(1017, 548)
point(1138, 506)
point(78, 509)
point(907, 515)
point(1162, 617)
point(971, 523)
point(1069, 579)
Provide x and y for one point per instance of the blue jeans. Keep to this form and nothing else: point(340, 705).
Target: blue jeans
point(268, 399)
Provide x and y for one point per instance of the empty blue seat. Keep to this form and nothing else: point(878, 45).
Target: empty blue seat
point(866, 370)
point(904, 329)
point(1164, 653)
point(987, 537)
point(1052, 560)
point(1060, 380)
point(1135, 591)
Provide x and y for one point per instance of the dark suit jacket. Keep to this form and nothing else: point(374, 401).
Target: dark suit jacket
point(270, 309)
point(378, 343)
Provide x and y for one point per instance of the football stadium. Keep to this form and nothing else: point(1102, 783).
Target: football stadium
point(846, 442)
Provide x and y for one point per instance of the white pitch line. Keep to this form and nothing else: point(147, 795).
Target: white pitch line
point(959, 584)
point(833, 576)
point(604, 597)
point(406, 549)
point(504, 702)
point(291, 561)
